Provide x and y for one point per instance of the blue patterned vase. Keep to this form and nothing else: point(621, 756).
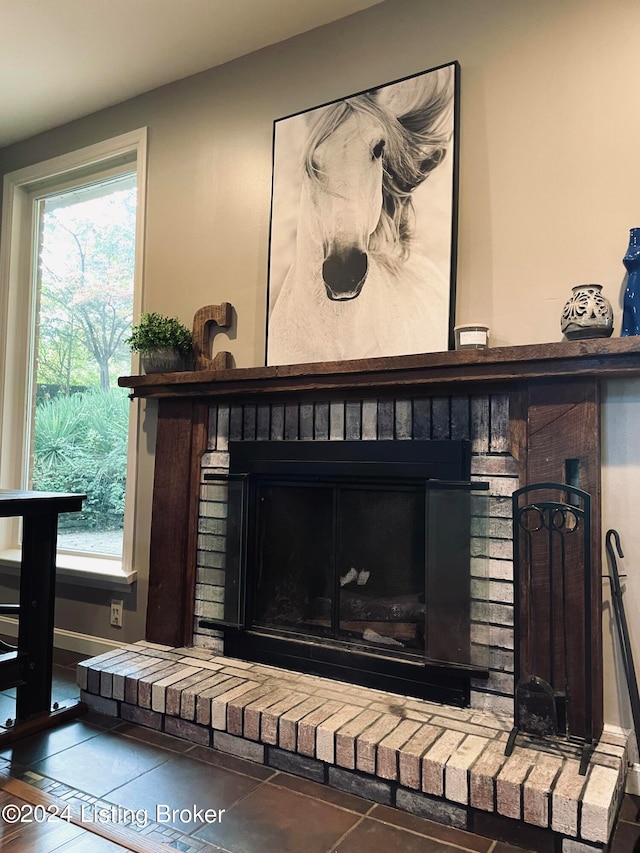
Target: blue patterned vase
point(631, 307)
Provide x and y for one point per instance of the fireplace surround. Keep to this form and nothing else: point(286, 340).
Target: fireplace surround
point(479, 423)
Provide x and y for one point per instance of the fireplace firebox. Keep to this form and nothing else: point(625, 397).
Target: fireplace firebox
point(358, 560)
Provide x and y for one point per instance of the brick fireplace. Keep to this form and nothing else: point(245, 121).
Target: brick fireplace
point(531, 415)
point(541, 404)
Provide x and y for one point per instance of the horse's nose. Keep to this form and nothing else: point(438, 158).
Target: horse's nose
point(344, 273)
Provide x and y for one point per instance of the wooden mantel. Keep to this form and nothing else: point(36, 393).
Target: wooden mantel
point(554, 392)
point(602, 358)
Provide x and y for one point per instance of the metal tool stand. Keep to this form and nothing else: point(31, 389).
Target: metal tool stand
point(551, 538)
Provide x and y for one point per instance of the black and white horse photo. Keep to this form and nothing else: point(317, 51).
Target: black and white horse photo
point(362, 220)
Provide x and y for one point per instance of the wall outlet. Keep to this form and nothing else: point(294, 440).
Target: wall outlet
point(116, 613)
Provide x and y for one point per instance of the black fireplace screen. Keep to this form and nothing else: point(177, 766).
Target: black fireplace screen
point(348, 558)
point(342, 561)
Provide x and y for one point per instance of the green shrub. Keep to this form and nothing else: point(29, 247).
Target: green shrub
point(81, 446)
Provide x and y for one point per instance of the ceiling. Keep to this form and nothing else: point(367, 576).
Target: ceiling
point(63, 59)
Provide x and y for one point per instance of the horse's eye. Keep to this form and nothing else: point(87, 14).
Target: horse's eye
point(378, 149)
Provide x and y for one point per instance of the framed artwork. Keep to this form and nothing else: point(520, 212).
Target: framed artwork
point(363, 224)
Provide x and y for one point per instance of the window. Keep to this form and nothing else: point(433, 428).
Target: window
point(69, 288)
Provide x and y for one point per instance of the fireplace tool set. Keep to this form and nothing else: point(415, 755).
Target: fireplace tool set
point(552, 575)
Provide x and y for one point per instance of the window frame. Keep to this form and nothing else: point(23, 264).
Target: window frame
point(18, 258)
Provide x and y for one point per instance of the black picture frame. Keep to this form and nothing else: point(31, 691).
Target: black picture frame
point(363, 234)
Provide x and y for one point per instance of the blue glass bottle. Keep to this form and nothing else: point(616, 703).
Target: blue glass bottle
point(631, 307)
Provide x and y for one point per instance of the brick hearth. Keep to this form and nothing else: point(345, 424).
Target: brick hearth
point(447, 764)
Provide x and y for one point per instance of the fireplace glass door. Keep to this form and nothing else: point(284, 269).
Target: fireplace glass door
point(343, 562)
point(328, 569)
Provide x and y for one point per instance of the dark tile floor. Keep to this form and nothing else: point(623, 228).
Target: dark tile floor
point(162, 787)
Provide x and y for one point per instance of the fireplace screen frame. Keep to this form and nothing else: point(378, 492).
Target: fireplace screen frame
point(347, 466)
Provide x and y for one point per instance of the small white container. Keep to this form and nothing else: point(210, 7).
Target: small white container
point(471, 336)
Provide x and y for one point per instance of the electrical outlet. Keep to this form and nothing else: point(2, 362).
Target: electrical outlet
point(116, 613)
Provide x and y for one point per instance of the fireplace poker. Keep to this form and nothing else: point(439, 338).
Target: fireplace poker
point(623, 631)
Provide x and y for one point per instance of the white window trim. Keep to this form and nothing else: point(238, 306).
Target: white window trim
point(76, 569)
point(16, 264)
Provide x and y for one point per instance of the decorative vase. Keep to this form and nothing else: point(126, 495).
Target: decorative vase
point(588, 314)
point(631, 305)
point(162, 360)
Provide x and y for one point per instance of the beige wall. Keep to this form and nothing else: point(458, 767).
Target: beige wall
point(549, 183)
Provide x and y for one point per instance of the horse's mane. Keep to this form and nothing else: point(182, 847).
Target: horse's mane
point(415, 117)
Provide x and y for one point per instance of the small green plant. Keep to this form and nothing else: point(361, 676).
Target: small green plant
point(155, 331)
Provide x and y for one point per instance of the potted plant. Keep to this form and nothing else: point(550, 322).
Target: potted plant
point(164, 344)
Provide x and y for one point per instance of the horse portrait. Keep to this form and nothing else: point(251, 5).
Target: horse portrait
point(362, 221)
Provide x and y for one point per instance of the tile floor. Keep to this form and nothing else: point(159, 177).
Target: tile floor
point(103, 766)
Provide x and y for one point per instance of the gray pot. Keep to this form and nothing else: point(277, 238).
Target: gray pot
point(163, 360)
point(588, 314)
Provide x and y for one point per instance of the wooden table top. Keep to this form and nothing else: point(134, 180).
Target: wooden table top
point(27, 502)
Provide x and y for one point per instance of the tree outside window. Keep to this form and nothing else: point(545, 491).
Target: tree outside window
point(85, 305)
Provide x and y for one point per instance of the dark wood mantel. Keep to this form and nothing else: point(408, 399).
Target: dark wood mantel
point(612, 357)
point(554, 392)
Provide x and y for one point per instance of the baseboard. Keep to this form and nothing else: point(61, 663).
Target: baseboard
point(71, 641)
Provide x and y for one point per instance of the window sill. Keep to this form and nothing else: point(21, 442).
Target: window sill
point(78, 569)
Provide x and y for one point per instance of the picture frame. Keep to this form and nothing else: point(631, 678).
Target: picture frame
point(363, 233)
